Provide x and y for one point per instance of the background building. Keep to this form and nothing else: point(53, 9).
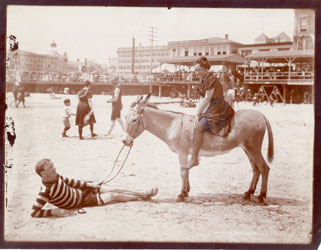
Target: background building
point(304, 29)
point(142, 63)
point(28, 66)
point(248, 49)
point(282, 37)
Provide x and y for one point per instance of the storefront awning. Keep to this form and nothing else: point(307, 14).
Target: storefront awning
point(213, 60)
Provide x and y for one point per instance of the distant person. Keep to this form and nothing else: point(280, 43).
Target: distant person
point(227, 84)
point(21, 96)
point(117, 106)
point(66, 193)
point(255, 99)
point(15, 92)
point(85, 111)
point(66, 115)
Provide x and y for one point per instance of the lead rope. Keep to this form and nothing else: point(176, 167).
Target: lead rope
point(105, 181)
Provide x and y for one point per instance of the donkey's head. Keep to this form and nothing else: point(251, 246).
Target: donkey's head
point(135, 123)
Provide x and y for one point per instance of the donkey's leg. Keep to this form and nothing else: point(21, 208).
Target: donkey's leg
point(255, 178)
point(184, 176)
point(264, 169)
point(256, 155)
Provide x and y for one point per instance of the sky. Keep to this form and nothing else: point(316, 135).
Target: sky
point(96, 32)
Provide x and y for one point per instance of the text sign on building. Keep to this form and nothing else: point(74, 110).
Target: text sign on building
point(188, 42)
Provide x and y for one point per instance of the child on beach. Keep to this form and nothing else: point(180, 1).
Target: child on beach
point(66, 115)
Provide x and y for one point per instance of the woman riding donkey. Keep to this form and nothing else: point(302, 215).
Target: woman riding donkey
point(213, 112)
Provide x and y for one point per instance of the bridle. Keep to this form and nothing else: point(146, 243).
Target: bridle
point(140, 123)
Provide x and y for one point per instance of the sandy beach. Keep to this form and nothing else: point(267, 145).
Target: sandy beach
point(214, 212)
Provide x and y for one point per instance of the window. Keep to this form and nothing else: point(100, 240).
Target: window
point(218, 50)
point(199, 51)
point(173, 52)
point(186, 51)
point(207, 51)
point(195, 52)
point(264, 49)
point(304, 22)
point(300, 45)
point(309, 44)
point(282, 49)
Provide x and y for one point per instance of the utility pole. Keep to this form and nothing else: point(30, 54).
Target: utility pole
point(139, 56)
point(133, 56)
point(152, 38)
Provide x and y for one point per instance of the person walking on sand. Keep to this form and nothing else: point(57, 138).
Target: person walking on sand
point(116, 101)
point(21, 96)
point(213, 113)
point(15, 92)
point(66, 115)
point(68, 194)
point(85, 111)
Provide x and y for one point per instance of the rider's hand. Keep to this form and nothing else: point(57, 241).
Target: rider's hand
point(58, 212)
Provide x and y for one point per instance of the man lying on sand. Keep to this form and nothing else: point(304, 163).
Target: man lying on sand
point(68, 193)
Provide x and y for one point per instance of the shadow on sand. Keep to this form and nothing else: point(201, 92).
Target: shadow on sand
point(232, 199)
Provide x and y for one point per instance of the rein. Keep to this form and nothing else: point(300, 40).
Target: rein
point(105, 181)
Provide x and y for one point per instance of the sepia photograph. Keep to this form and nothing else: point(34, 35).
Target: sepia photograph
point(137, 125)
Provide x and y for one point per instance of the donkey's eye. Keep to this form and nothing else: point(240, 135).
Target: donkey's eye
point(134, 120)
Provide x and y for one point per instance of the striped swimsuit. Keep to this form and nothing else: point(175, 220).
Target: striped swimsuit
point(65, 193)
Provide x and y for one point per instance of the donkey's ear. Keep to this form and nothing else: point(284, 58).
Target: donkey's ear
point(137, 102)
point(147, 99)
point(144, 103)
point(139, 98)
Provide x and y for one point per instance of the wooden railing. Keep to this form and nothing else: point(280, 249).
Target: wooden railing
point(279, 76)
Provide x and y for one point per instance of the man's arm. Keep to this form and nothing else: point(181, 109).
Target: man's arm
point(80, 184)
point(116, 96)
point(42, 199)
point(74, 183)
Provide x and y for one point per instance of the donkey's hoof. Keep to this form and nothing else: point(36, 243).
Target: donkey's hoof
point(246, 196)
point(180, 198)
point(260, 199)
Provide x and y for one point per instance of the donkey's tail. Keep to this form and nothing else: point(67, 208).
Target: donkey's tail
point(271, 141)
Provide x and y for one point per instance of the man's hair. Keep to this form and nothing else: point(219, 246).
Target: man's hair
point(40, 166)
point(67, 100)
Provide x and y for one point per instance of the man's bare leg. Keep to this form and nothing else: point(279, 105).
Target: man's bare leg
point(122, 195)
point(141, 194)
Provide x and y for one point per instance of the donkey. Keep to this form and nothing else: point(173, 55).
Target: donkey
point(176, 130)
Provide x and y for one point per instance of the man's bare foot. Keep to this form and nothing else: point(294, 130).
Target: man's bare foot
point(152, 193)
